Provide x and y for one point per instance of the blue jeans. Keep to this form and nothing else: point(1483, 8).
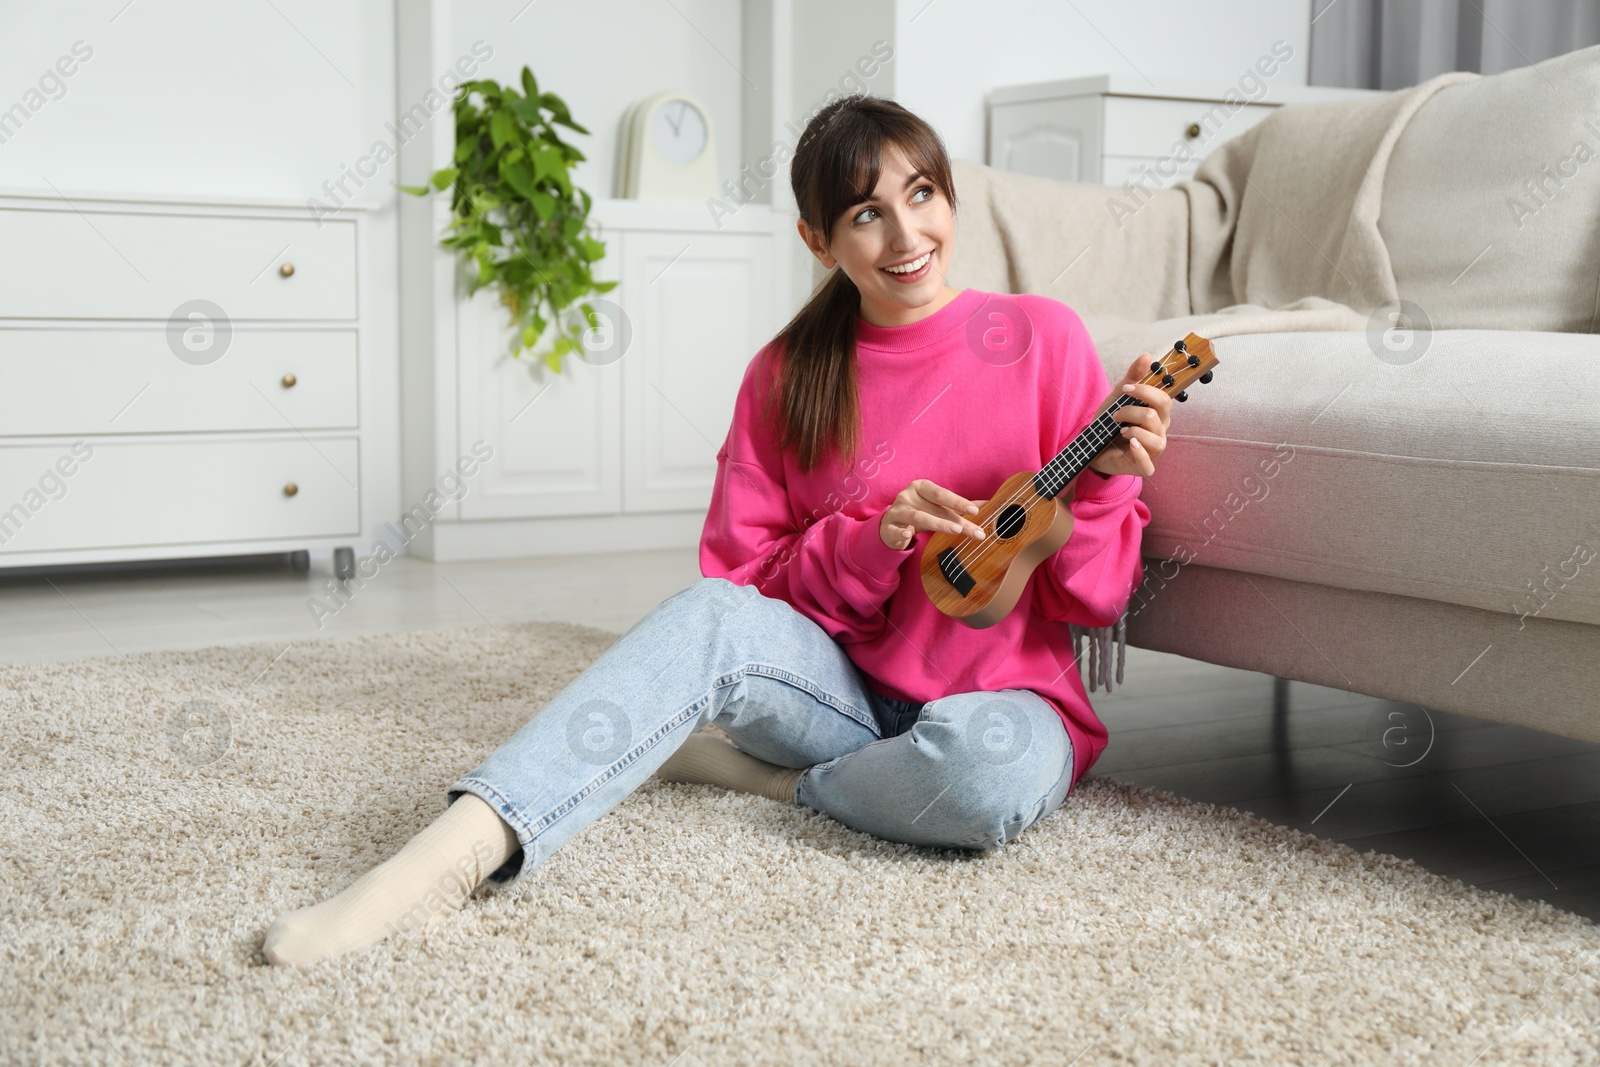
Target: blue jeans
point(968, 770)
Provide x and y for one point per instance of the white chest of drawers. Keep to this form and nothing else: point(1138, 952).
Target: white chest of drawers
point(177, 379)
point(1113, 128)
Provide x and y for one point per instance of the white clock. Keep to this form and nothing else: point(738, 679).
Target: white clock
point(668, 150)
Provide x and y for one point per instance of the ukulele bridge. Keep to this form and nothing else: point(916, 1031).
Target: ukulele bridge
point(954, 573)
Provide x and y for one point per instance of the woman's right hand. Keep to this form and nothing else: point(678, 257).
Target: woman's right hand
point(924, 505)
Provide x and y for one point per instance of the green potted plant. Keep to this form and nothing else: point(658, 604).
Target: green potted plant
point(519, 224)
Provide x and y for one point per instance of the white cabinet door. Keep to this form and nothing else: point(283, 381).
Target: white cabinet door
point(701, 306)
point(1057, 139)
point(556, 437)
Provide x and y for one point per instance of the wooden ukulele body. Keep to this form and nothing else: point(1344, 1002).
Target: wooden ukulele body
point(1020, 528)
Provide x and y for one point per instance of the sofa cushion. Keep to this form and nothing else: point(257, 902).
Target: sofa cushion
point(1491, 203)
point(1465, 470)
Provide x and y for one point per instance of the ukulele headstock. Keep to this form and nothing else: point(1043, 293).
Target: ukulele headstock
point(1188, 361)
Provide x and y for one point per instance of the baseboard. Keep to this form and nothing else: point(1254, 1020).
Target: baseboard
point(559, 536)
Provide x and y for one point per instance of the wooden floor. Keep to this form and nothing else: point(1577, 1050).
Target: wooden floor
point(1501, 807)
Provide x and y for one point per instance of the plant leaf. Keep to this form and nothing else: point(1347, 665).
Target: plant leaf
point(527, 110)
point(519, 177)
point(555, 105)
point(502, 128)
point(536, 159)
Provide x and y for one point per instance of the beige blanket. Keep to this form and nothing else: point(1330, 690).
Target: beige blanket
point(1277, 231)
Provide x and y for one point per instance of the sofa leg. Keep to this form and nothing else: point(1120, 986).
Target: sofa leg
point(1280, 697)
point(1280, 732)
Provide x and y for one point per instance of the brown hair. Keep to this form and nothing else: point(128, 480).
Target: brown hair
point(836, 165)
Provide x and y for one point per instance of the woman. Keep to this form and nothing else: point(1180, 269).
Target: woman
point(810, 640)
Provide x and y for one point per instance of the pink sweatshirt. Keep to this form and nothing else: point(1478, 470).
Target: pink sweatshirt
point(936, 403)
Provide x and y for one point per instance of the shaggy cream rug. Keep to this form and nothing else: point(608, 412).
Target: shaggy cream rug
point(159, 810)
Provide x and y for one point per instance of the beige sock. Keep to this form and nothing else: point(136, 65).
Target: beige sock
point(432, 875)
point(707, 760)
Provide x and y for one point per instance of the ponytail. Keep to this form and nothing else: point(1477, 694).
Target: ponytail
point(817, 405)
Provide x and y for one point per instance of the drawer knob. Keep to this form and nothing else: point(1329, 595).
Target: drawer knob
point(289, 380)
point(290, 489)
point(287, 270)
point(1190, 131)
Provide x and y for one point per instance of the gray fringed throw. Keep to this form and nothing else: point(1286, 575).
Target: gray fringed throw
point(1100, 639)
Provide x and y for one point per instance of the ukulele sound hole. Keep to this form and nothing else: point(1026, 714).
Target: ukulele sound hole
point(1010, 520)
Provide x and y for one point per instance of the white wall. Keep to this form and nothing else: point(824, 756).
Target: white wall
point(950, 55)
point(236, 99)
point(600, 56)
point(184, 96)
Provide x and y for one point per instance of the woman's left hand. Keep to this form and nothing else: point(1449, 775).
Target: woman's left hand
point(1144, 434)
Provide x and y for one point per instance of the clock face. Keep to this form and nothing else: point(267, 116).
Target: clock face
point(678, 132)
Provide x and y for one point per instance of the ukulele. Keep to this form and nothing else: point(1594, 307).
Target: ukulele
point(979, 582)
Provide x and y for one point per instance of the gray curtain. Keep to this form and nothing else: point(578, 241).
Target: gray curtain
point(1390, 44)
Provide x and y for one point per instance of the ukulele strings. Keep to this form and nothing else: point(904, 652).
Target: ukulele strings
point(1123, 401)
point(974, 554)
point(977, 552)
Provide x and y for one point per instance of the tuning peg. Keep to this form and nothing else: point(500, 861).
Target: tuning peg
point(1166, 380)
point(1205, 379)
point(1181, 397)
point(1194, 360)
point(1177, 346)
point(1155, 368)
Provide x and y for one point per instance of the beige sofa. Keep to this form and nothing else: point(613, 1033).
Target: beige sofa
point(1412, 514)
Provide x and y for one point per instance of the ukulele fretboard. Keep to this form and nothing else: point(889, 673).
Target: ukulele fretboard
point(1071, 461)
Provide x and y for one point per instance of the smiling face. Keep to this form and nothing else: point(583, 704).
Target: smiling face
point(905, 222)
